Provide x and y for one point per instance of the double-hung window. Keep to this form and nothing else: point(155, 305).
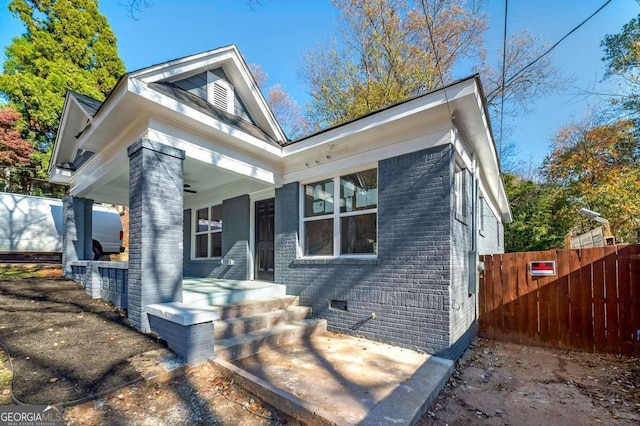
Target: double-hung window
point(208, 232)
point(340, 215)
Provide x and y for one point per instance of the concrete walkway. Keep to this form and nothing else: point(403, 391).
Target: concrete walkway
point(336, 379)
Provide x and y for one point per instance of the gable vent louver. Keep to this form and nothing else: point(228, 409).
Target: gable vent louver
point(220, 93)
point(220, 96)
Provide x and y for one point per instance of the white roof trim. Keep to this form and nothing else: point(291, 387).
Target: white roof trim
point(495, 179)
point(230, 59)
point(69, 102)
point(109, 104)
point(142, 90)
point(380, 118)
point(467, 93)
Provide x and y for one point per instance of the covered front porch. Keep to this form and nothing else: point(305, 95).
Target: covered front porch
point(110, 281)
point(188, 218)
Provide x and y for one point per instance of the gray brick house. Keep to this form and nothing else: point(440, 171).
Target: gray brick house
point(375, 223)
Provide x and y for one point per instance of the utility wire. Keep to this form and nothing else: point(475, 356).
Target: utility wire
point(504, 70)
point(550, 49)
point(435, 55)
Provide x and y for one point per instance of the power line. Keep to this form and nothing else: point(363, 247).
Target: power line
point(550, 49)
point(504, 70)
point(435, 55)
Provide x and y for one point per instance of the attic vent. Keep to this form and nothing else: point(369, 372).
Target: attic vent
point(220, 93)
point(220, 96)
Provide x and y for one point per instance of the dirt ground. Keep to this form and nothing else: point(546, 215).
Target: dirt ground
point(505, 384)
point(200, 397)
point(64, 345)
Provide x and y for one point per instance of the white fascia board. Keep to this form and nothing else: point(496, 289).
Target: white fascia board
point(464, 88)
point(331, 168)
point(70, 104)
point(490, 161)
point(255, 95)
point(175, 106)
point(112, 102)
point(61, 129)
point(224, 161)
point(185, 66)
point(463, 145)
point(84, 111)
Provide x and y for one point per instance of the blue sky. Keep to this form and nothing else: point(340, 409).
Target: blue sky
point(277, 34)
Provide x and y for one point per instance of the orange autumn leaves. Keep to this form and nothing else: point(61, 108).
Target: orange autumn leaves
point(598, 167)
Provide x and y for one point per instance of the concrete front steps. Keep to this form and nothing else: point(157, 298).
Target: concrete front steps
point(209, 291)
point(247, 328)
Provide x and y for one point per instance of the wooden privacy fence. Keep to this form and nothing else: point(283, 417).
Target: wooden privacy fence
point(591, 304)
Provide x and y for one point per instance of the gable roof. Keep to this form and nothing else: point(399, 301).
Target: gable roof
point(443, 89)
point(201, 105)
point(233, 64)
point(89, 105)
point(90, 125)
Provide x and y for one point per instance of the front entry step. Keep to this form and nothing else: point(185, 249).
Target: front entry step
point(256, 307)
point(249, 327)
point(233, 327)
point(281, 334)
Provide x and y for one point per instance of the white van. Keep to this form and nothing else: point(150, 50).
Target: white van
point(33, 225)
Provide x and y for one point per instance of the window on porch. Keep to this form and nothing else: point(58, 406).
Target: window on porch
point(208, 232)
point(348, 227)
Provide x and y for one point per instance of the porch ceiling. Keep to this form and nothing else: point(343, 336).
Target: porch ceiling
point(206, 180)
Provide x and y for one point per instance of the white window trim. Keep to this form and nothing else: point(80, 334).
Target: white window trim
point(481, 213)
point(194, 232)
point(212, 80)
point(458, 191)
point(336, 215)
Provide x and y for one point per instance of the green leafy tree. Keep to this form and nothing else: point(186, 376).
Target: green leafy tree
point(622, 57)
point(68, 44)
point(598, 167)
point(536, 223)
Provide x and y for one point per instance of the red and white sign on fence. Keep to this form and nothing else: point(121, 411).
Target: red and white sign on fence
point(546, 268)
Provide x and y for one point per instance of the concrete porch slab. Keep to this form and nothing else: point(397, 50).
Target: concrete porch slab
point(212, 291)
point(337, 379)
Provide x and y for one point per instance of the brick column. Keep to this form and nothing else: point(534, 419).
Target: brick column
point(77, 231)
point(155, 227)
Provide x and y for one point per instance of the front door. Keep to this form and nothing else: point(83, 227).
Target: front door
point(265, 239)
